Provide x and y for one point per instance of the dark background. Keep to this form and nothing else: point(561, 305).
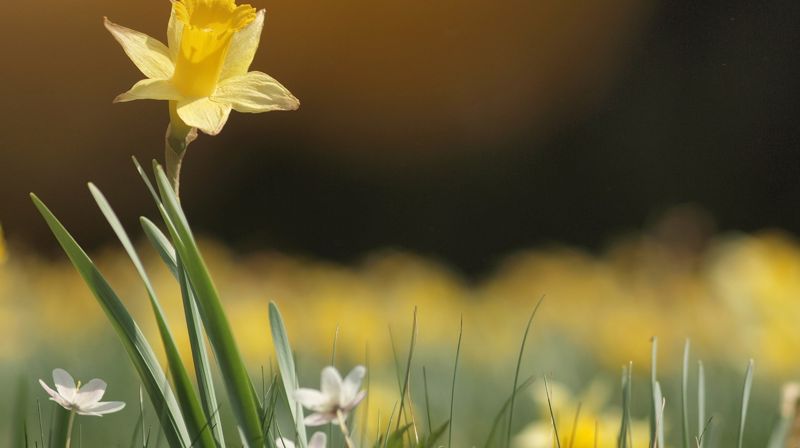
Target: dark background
point(459, 130)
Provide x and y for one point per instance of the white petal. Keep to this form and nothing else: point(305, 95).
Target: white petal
point(312, 399)
point(204, 114)
point(150, 89)
point(350, 405)
point(65, 385)
point(331, 382)
point(318, 440)
point(284, 443)
point(255, 92)
point(54, 395)
point(319, 419)
point(102, 408)
point(352, 383)
point(243, 48)
point(149, 55)
point(90, 393)
point(174, 33)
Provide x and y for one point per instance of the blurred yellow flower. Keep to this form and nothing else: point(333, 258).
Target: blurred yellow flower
point(203, 71)
point(582, 421)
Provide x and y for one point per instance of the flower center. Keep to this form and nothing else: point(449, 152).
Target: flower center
point(208, 27)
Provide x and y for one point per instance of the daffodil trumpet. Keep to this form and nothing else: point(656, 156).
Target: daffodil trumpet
point(202, 71)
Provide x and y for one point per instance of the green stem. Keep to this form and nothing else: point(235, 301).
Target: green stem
point(69, 428)
point(179, 136)
point(343, 428)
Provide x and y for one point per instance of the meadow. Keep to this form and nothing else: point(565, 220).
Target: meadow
point(599, 312)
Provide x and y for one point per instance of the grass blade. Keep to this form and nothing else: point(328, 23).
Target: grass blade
point(407, 376)
point(655, 400)
point(701, 403)
point(622, 440)
point(748, 384)
point(130, 335)
point(685, 394)
point(187, 397)
point(516, 373)
point(552, 415)
point(496, 423)
point(453, 384)
point(283, 350)
point(241, 392)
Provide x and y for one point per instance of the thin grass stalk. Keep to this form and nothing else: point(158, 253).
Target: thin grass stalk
point(516, 372)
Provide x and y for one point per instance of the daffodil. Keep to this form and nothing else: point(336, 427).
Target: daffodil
point(336, 397)
point(203, 69)
point(318, 440)
point(83, 400)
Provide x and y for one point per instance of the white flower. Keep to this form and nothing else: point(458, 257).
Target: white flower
point(83, 401)
point(336, 395)
point(318, 440)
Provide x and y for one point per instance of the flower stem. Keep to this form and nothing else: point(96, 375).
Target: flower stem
point(343, 428)
point(69, 428)
point(179, 136)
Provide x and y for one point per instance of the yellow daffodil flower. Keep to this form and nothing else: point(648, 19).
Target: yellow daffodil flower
point(203, 71)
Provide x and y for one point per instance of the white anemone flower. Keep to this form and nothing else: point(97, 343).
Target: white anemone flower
point(336, 396)
point(80, 400)
point(318, 440)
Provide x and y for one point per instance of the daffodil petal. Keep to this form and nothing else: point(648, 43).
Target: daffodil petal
point(255, 92)
point(331, 382)
point(102, 408)
point(150, 89)
point(205, 114)
point(319, 419)
point(90, 393)
point(243, 48)
point(65, 384)
point(318, 440)
point(174, 32)
point(149, 55)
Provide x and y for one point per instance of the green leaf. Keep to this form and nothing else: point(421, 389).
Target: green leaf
point(429, 441)
point(241, 392)
point(748, 384)
point(196, 421)
point(202, 365)
point(394, 439)
point(139, 351)
point(283, 350)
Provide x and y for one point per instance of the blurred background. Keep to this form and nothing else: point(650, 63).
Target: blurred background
point(633, 160)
